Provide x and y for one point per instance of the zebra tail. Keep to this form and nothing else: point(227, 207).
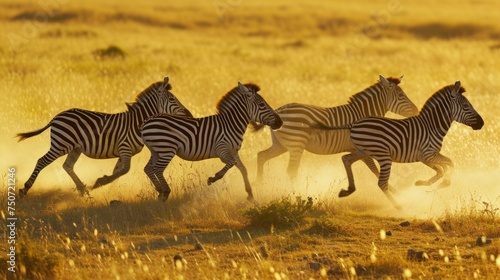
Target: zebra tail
point(256, 127)
point(26, 135)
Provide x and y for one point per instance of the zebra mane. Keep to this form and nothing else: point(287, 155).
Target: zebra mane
point(222, 103)
point(395, 81)
point(143, 94)
point(360, 96)
point(441, 93)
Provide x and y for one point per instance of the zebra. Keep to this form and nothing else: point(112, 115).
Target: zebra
point(218, 135)
point(375, 100)
point(414, 139)
point(101, 135)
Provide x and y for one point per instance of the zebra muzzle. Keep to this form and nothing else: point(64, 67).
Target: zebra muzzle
point(478, 124)
point(276, 124)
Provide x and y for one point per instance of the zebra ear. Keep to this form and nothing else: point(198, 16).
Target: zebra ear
point(401, 78)
point(456, 89)
point(244, 89)
point(383, 80)
point(165, 83)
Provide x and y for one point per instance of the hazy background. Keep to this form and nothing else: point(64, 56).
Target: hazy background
point(317, 52)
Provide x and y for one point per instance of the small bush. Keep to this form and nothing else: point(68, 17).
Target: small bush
point(280, 213)
point(109, 52)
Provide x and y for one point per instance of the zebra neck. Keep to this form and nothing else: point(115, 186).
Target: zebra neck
point(437, 119)
point(137, 114)
point(235, 121)
point(371, 102)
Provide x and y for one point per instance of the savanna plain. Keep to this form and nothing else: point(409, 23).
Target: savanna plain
point(97, 55)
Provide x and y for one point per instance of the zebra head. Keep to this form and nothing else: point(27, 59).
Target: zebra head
point(257, 108)
point(397, 101)
point(462, 110)
point(167, 102)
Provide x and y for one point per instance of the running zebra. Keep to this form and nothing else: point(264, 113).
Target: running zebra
point(100, 135)
point(414, 139)
point(294, 136)
point(195, 139)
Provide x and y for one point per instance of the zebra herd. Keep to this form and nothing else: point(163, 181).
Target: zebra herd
point(159, 121)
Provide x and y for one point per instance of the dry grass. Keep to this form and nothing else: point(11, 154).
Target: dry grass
point(139, 239)
point(52, 58)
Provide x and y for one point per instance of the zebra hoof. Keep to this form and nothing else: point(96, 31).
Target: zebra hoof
point(163, 196)
point(444, 184)
point(104, 180)
point(83, 192)
point(251, 199)
point(22, 193)
point(422, 183)
point(211, 180)
point(344, 193)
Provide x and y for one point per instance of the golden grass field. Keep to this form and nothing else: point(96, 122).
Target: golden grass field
point(317, 52)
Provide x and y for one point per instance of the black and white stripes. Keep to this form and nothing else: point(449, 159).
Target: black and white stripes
point(194, 139)
point(294, 136)
point(415, 139)
point(100, 135)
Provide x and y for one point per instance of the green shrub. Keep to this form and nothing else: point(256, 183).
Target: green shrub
point(281, 213)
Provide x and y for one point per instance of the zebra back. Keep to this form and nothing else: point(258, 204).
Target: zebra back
point(101, 135)
point(157, 99)
point(376, 100)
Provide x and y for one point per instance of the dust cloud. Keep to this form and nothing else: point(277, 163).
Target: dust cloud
point(322, 177)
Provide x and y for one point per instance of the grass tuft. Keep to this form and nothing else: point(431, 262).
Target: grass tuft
point(326, 226)
point(281, 213)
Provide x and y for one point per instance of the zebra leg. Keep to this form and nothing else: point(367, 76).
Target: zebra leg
point(439, 173)
point(121, 168)
point(373, 168)
point(42, 162)
point(448, 171)
point(219, 174)
point(68, 165)
point(155, 169)
point(371, 165)
point(348, 160)
point(263, 156)
point(149, 169)
point(244, 173)
point(443, 167)
point(385, 173)
point(294, 161)
point(393, 201)
point(383, 180)
point(230, 160)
